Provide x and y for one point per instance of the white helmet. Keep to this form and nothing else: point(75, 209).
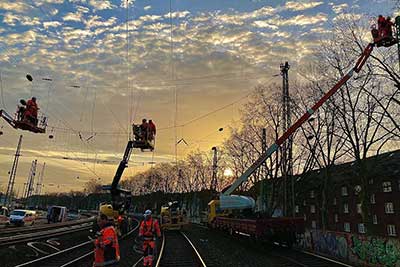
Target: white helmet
point(147, 213)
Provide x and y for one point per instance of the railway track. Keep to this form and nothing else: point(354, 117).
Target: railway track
point(178, 251)
point(73, 256)
point(295, 258)
point(37, 234)
point(26, 229)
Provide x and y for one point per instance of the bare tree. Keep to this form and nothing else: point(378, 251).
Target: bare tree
point(363, 107)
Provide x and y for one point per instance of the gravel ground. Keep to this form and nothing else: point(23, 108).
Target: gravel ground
point(13, 255)
point(220, 249)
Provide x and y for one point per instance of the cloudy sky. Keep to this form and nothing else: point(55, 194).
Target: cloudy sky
point(98, 65)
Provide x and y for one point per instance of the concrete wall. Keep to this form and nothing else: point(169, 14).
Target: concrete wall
point(358, 250)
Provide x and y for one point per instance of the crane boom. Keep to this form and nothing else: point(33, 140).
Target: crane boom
point(121, 167)
point(274, 147)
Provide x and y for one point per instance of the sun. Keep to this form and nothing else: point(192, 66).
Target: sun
point(228, 172)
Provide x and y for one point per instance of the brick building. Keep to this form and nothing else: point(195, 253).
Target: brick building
point(344, 194)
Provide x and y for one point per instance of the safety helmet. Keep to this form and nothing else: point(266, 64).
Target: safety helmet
point(107, 210)
point(147, 213)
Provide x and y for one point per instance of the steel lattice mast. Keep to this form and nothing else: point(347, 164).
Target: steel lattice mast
point(13, 172)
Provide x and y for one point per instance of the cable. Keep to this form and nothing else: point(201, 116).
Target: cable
point(130, 92)
point(3, 103)
point(172, 66)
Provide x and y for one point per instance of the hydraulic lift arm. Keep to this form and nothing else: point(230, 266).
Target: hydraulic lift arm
point(274, 147)
point(121, 167)
point(118, 195)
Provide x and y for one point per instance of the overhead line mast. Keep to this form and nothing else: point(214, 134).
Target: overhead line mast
point(13, 172)
point(286, 135)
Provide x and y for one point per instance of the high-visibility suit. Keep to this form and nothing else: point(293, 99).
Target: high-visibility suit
point(149, 230)
point(381, 24)
point(31, 111)
point(106, 252)
point(144, 128)
point(387, 30)
point(152, 130)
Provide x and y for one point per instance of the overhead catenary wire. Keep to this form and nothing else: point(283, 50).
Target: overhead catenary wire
point(172, 66)
point(3, 103)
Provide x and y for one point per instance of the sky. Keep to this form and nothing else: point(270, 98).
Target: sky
point(99, 65)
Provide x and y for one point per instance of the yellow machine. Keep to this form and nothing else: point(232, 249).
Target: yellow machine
point(173, 217)
point(214, 210)
point(120, 220)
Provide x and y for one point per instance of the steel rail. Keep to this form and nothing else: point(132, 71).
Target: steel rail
point(69, 250)
point(192, 246)
point(13, 230)
point(12, 240)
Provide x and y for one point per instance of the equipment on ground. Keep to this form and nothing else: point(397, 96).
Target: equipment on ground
point(173, 216)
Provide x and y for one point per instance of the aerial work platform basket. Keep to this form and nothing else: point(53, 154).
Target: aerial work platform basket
point(24, 124)
point(142, 140)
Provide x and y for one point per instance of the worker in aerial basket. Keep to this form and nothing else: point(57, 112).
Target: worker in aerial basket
point(149, 230)
point(106, 252)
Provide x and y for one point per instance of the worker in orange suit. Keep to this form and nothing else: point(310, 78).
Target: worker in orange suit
point(152, 130)
point(144, 128)
point(149, 230)
point(381, 24)
point(106, 252)
point(388, 29)
point(31, 111)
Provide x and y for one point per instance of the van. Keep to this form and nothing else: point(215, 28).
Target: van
point(4, 216)
point(56, 214)
point(23, 217)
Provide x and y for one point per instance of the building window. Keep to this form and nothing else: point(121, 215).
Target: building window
point(346, 208)
point(312, 194)
point(305, 217)
point(336, 218)
point(372, 199)
point(359, 210)
point(391, 230)
point(387, 187)
point(361, 228)
point(344, 191)
point(297, 209)
point(374, 219)
point(304, 203)
point(313, 224)
point(334, 201)
point(389, 208)
point(357, 189)
point(312, 208)
point(347, 227)
point(371, 181)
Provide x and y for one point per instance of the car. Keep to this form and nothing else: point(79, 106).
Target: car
point(22, 217)
point(4, 216)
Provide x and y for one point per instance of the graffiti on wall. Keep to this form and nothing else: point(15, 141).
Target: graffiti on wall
point(352, 248)
point(376, 251)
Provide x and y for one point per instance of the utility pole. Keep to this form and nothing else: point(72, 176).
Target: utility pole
point(397, 21)
point(11, 181)
point(30, 181)
point(287, 156)
point(214, 181)
point(263, 187)
point(39, 184)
